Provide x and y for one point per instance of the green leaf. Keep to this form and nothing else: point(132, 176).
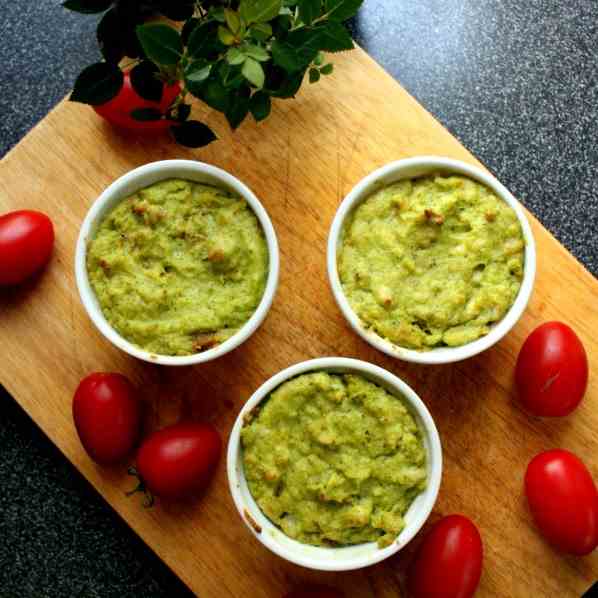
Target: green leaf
point(196, 74)
point(161, 43)
point(182, 112)
point(198, 71)
point(334, 37)
point(253, 72)
point(122, 29)
point(260, 105)
point(256, 52)
point(281, 84)
point(217, 13)
point(261, 31)
point(327, 69)
point(145, 83)
point(234, 56)
point(309, 10)
point(97, 84)
point(225, 36)
point(319, 59)
point(341, 10)
point(232, 20)
point(188, 28)
point(238, 107)
point(314, 75)
point(215, 95)
point(193, 134)
point(146, 114)
point(87, 7)
point(306, 41)
point(298, 50)
point(259, 11)
point(281, 25)
point(285, 56)
point(230, 76)
point(111, 34)
point(290, 86)
point(204, 42)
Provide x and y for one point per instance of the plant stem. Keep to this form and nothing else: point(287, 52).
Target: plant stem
point(132, 62)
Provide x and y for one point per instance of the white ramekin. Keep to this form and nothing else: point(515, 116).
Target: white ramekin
point(410, 168)
point(348, 557)
point(142, 177)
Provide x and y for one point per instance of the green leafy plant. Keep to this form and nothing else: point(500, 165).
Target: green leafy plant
point(234, 55)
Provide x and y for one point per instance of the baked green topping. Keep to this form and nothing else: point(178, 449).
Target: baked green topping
point(334, 459)
point(433, 261)
point(179, 266)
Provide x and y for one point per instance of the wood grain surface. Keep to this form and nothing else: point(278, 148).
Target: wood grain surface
point(300, 163)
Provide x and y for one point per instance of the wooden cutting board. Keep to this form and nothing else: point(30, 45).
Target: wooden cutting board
point(300, 163)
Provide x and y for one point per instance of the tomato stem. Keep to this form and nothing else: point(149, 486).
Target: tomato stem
point(148, 500)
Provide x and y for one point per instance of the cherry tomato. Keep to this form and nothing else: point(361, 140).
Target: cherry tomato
point(552, 370)
point(315, 591)
point(107, 415)
point(179, 459)
point(118, 110)
point(448, 564)
point(26, 241)
point(563, 500)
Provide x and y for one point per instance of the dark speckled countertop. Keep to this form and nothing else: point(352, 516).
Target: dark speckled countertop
point(516, 82)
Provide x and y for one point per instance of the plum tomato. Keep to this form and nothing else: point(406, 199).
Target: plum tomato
point(26, 242)
point(563, 500)
point(107, 416)
point(552, 371)
point(448, 563)
point(118, 110)
point(178, 460)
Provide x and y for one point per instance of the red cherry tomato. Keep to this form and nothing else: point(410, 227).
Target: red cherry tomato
point(107, 415)
point(179, 459)
point(563, 500)
point(118, 110)
point(26, 241)
point(552, 370)
point(315, 591)
point(449, 561)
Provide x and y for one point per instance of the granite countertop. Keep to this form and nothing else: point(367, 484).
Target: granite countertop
point(516, 82)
